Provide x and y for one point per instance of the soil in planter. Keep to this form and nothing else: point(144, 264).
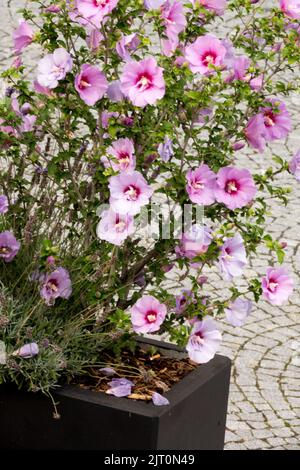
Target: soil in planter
point(149, 371)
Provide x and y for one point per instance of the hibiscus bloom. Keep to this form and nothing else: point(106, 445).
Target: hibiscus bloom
point(126, 45)
point(54, 285)
point(255, 132)
point(234, 187)
point(91, 84)
point(129, 192)
point(238, 311)
point(291, 8)
point(147, 314)
point(205, 52)
point(204, 340)
point(22, 37)
point(216, 6)
point(172, 14)
point(142, 82)
point(3, 204)
point(120, 156)
point(200, 185)
point(54, 67)
point(194, 242)
point(233, 258)
point(9, 246)
point(294, 166)
point(95, 10)
point(115, 228)
point(165, 149)
point(277, 285)
point(277, 121)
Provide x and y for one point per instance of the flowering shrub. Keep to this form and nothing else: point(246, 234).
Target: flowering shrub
point(133, 102)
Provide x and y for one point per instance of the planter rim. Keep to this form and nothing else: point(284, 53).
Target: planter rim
point(175, 395)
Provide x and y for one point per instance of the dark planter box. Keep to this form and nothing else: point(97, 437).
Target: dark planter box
point(194, 420)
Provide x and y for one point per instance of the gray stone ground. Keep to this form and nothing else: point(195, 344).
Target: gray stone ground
point(264, 403)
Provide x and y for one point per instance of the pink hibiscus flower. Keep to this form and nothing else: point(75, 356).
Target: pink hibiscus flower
point(142, 82)
point(123, 158)
point(200, 185)
point(204, 340)
point(238, 311)
point(234, 187)
point(115, 228)
point(173, 17)
point(294, 166)
point(255, 132)
point(291, 8)
point(147, 314)
point(194, 241)
point(216, 6)
point(129, 192)
point(91, 84)
point(205, 52)
point(277, 285)
point(277, 121)
point(54, 67)
point(95, 10)
point(22, 37)
point(233, 258)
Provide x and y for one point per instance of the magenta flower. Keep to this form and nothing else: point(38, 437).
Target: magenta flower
point(147, 314)
point(95, 10)
point(256, 83)
point(234, 187)
point(91, 84)
point(120, 387)
point(27, 351)
point(9, 246)
point(240, 67)
point(3, 204)
point(159, 400)
point(201, 185)
point(277, 285)
point(142, 82)
point(129, 192)
point(294, 166)
point(194, 242)
point(216, 6)
point(120, 156)
point(290, 8)
point(277, 121)
point(205, 52)
point(204, 340)
point(126, 45)
point(22, 37)
point(54, 285)
point(238, 311)
point(255, 132)
point(115, 228)
point(54, 67)
point(233, 258)
point(165, 149)
point(172, 14)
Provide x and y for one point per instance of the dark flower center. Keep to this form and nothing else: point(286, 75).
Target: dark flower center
point(4, 250)
point(144, 81)
point(84, 83)
point(269, 119)
point(151, 316)
point(232, 187)
point(208, 58)
point(272, 285)
point(52, 285)
point(132, 193)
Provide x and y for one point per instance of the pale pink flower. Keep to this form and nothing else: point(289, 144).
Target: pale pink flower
point(115, 228)
point(204, 340)
point(129, 192)
point(114, 92)
point(200, 185)
point(126, 45)
point(41, 89)
point(216, 6)
point(95, 10)
point(234, 187)
point(54, 67)
point(94, 38)
point(91, 84)
point(22, 37)
point(277, 285)
point(3, 204)
point(120, 156)
point(194, 242)
point(291, 8)
point(173, 16)
point(9, 246)
point(27, 351)
point(238, 311)
point(277, 121)
point(255, 132)
point(147, 314)
point(153, 4)
point(204, 54)
point(256, 83)
point(142, 82)
point(233, 258)
point(294, 166)
point(54, 285)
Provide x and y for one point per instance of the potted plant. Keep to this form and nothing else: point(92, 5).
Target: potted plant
point(122, 189)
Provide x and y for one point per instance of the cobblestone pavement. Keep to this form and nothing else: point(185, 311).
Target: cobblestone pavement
point(264, 404)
